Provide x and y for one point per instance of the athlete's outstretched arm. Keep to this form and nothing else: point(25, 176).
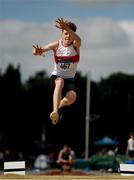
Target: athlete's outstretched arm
point(39, 50)
point(61, 24)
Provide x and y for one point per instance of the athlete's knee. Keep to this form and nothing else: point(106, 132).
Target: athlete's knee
point(71, 96)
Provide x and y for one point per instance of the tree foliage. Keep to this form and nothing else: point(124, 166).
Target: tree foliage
point(25, 109)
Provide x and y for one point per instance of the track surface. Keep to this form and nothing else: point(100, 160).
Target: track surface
point(75, 175)
point(65, 177)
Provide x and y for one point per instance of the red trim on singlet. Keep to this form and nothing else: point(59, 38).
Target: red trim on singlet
point(57, 47)
point(72, 58)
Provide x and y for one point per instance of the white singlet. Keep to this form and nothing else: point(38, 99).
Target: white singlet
point(66, 60)
point(131, 144)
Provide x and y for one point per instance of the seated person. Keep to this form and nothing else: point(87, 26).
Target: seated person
point(66, 158)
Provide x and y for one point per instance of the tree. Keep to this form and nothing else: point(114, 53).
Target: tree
point(117, 104)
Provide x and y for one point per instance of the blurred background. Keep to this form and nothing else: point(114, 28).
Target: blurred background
point(106, 30)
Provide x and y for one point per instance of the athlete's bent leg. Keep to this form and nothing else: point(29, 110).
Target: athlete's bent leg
point(68, 99)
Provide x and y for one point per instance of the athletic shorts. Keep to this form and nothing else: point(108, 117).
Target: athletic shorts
point(131, 153)
point(69, 84)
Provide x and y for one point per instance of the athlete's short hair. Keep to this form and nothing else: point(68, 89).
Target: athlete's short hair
point(71, 25)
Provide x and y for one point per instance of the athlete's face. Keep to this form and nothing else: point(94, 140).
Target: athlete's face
point(66, 148)
point(66, 38)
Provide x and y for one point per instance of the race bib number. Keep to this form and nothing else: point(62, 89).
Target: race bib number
point(64, 64)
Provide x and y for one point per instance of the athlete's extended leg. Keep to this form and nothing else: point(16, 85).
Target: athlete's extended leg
point(59, 83)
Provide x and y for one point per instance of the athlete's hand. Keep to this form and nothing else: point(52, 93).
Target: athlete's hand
point(37, 50)
point(61, 24)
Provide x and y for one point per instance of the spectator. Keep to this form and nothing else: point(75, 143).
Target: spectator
point(130, 146)
point(8, 155)
point(41, 162)
point(66, 158)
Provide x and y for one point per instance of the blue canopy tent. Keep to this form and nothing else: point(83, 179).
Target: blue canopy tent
point(105, 141)
point(108, 149)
